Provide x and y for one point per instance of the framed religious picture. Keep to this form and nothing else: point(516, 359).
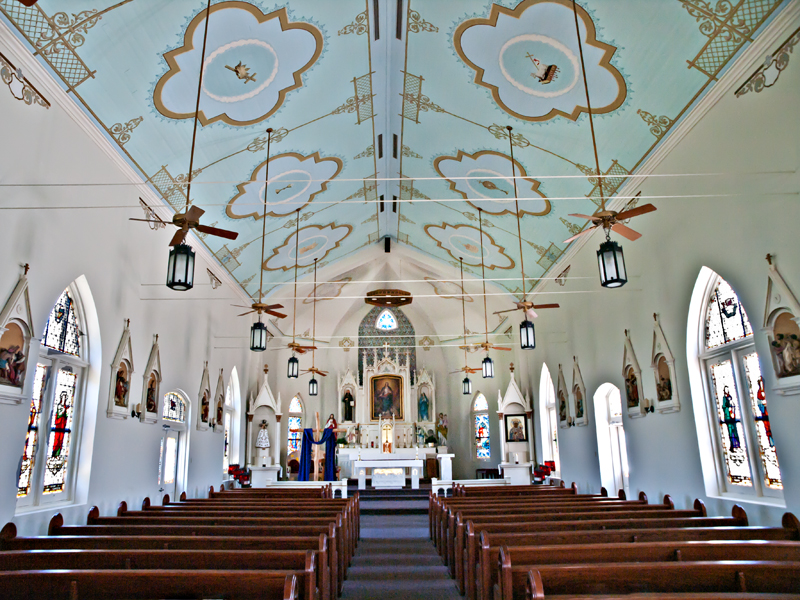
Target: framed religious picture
point(516, 428)
point(386, 397)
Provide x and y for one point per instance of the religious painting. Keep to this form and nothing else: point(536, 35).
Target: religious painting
point(562, 407)
point(785, 345)
point(12, 356)
point(204, 408)
point(576, 390)
point(387, 397)
point(631, 388)
point(516, 428)
point(151, 405)
point(664, 382)
point(121, 386)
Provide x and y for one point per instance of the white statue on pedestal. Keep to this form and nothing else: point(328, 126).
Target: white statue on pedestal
point(262, 443)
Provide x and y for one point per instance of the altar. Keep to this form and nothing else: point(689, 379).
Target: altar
point(388, 473)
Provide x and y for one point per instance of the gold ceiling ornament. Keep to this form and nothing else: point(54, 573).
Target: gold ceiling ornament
point(388, 297)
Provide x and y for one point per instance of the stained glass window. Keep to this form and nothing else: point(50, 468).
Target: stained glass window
point(32, 438)
point(62, 332)
point(295, 406)
point(386, 321)
point(758, 403)
point(174, 408)
point(225, 448)
point(734, 445)
point(480, 408)
point(726, 320)
point(55, 475)
point(480, 403)
point(295, 434)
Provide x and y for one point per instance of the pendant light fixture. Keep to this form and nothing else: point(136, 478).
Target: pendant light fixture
point(258, 332)
point(180, 266)
point(487, 364)
point(293, 368)
point(527, 334)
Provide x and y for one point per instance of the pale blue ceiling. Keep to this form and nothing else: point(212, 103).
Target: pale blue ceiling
point(332, 78)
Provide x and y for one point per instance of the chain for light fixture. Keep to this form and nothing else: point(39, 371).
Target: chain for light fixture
point(258, 332)
point(294, 364)
point(487, 364)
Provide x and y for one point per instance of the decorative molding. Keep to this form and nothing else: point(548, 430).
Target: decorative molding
point(767, 74)
point(579, 396)
point(658, 125)
point(213, 279)
point(17, 313)
point(426, 343)
point(18, 84)
point(346, 343)
point(122, 133)
point(359, 25)
point(121, 376)
point(661, 360)
point(417, 24)
point(632, 376)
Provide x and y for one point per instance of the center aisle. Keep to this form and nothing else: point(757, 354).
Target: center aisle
point(395, 558)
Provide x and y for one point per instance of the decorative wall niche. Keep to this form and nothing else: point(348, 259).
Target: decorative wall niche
point(426, 397)
point(514, 411)
point(348, 392)
point(562, 399)
point(15, 344)
point(204, 401)
point(663, 364)
point(151, 392)
point(579, 396)
point(121, 373)
point(217, 419)
point(782, 326)
point(632, 374)
point(264, 407)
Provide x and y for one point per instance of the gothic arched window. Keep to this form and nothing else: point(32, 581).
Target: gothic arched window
point(612, 449)
point(295, 437)
point(386, 321)
point(386, 331)
point(549, 418)
point(47, 468)
point(480, 417)
point(173, 451)
point(743, 462)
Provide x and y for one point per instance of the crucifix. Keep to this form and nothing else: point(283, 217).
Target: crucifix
point(316, 456)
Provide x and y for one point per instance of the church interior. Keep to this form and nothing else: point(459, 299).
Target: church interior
point(390, 247)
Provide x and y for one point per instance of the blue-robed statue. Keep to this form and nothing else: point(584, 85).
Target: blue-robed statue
point(423, 407)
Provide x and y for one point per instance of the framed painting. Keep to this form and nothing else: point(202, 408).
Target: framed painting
point(386, 397)
point(516, 428)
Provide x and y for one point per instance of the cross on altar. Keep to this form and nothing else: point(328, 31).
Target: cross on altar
point(385, 349)
point(316, 456)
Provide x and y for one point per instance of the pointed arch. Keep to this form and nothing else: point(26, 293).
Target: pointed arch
point(234, 396)
point(548, 418)
point(612, 449)
point(295, 424)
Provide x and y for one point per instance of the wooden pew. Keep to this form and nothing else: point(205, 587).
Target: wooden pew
point(301, 563)
point(628, 578)
point(71, 584)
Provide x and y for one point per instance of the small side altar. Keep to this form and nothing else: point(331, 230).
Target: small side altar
point(388, 473)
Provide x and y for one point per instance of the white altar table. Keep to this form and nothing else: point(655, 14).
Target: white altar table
point(390, 472)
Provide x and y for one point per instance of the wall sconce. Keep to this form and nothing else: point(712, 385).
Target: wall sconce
point(648, 406)
point(570, 421)
point(136, 411)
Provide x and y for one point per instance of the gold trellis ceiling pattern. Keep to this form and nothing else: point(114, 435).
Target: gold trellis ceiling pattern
point(389, 117)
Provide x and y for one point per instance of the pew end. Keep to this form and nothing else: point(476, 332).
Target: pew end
point(290, 588)
point(534, 590)
point(622, 495)
point(574, 487)
point(182, 497)
point(668, 501)
point(94, 514)
point(56, 523)
point(737, 512)
point(122, 508)
point(165, 500)
point(146, 503)
point(9, 531)
point(643, 498)
point(789, 521)
point(603, 492)
point(701, 506)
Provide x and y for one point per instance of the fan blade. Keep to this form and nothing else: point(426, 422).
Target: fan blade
point(626, 232)
point(323, 373)
point(454, 372)
point(595, 219)
point(273, 306)
point(240, 306)
point(546, 306)
point(223, 233)
point(635, 212)
point(275, 314)
point(501, 348)
point(194, 213)
point(247, 313)
point(577, 235)
point(178, 238)
point(307, 347)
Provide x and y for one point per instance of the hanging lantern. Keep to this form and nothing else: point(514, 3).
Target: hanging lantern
point(612, 264)
point(467, 386)
point(294, 368)
point(527, 336)
point(258, 336)
point(313, 387)
point(488, 368)
point(180, 268)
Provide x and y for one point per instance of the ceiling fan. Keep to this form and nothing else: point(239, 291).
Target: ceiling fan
point(609, 219)
point(466, 368)
point(190, 219)
point(260, 307)
point(314, 370)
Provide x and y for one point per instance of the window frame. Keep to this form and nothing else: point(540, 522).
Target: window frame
point(548, 411)
point(713, 462)
point(291, 414)
point(474, 413)
point(55, 360)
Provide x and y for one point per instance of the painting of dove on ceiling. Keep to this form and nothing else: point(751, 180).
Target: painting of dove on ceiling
point(252, 61)
point(294, 180)
point(315, 241)
point(464, 241)
point(490, 186)
point(528, 57)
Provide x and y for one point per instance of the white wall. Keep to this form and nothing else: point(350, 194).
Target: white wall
point(125, 266)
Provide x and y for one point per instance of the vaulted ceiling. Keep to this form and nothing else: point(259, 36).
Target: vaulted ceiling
point(389, 116)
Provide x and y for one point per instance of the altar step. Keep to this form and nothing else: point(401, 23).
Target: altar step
point(395, 502)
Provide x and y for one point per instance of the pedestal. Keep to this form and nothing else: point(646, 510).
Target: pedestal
point(518, 473)
point(445, 466)
point(264, 476)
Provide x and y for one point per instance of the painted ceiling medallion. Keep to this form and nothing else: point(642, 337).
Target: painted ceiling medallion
point(464, 241)
point(528, 58)
point(315, 242)
point(490, 187)
point(447, 289)
point(293, 183)
point(327, 291)
point(253, 61)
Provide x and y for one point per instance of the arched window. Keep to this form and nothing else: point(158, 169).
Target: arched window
point(548, 415)
point(386, 321)
point(295, 436)
point(612, 450)
point(47, 468)
point(386, 332)
point(226, 430)
point(737, 448)
point(480, 418)
point(173, 451)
